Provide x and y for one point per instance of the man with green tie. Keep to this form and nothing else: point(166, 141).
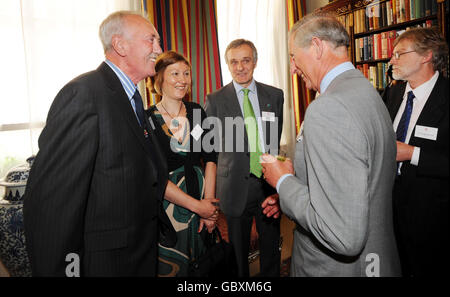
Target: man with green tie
point(256, 111)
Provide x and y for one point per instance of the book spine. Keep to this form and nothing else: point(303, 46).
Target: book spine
point(391, 38)
point(366, 48)
point(383, 17)
point(407, 10)
point(402, 11)
point(357, 57)
point(361, 20)
point(417, 5)
point(361, 47)
point(378, 47)
point(379, 75)
point(366, 19)
point(374, 49)
point(412, 9)
point(366, 70)
point(389, 13)
point(434, 7)
point(376, 17)
point(384, 49)
point(372, 76)
point(394, 11)
point(422, 8)
point(427, 7)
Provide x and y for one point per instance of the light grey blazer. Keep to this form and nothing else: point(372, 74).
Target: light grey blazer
point(340, 197)
point(233, 166)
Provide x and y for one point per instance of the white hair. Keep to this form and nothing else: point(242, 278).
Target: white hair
point(113, 25)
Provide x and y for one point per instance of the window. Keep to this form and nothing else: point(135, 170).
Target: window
point(264, 23)
point(46, 43)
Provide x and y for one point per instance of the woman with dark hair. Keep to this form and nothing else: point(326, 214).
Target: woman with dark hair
point(178, 124)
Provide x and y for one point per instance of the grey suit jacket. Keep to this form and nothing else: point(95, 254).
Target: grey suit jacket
point(341, 194)
point(233, 164)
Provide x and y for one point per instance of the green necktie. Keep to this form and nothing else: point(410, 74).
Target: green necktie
point(253, 136)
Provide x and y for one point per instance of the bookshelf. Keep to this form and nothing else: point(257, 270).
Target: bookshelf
point(373, 26)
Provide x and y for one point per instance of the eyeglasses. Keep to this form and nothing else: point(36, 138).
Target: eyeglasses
point(397, 55)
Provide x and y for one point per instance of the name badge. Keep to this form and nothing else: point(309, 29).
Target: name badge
point(197, 132)
point(426, 132)
point(268, 116)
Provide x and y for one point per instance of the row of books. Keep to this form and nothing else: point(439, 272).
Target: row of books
point(376, 74)
point(379, 15)
point(380, 45)
point(347, 21)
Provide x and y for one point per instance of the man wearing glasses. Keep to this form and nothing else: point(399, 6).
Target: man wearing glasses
point(419, 109)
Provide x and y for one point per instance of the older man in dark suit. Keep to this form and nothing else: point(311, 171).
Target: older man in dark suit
point(94, 192)
point(419, 110)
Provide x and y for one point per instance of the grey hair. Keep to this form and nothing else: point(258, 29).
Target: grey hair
point(114, 24)
point(239, 42)
point(428, 39)
point(321, 25)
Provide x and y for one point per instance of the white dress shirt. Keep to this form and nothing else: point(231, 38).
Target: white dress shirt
point(421, 94)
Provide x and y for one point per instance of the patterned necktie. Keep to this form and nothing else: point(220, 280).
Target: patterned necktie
point(253, 136)
point(139, 108)
point(402, 128)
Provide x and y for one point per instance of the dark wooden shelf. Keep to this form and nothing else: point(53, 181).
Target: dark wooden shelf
point(397, 26)
point(373, 61)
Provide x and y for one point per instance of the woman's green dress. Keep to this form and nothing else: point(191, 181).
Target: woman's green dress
point(185, 170)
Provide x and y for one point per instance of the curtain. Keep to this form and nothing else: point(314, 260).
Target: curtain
point(263, 23)
point(301, 96)
point(46, 43)
point(190, 28)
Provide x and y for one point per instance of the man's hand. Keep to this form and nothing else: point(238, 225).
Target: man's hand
point(273, 168)
point(271, 206)
point(209, 224)
point(404, 151)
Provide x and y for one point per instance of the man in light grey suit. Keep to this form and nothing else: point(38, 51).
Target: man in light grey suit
point(340, 196)
point(242, 192)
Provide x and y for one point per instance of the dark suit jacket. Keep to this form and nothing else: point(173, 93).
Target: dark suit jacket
point(423, 194)
point(96, 186)
point(233, 166)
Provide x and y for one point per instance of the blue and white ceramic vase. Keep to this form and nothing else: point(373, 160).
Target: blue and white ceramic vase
point(13, 253)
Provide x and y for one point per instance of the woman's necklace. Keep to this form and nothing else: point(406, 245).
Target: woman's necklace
point(174, 122)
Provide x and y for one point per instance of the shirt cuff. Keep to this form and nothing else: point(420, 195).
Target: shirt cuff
point(415, 156)
point(282, 178)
